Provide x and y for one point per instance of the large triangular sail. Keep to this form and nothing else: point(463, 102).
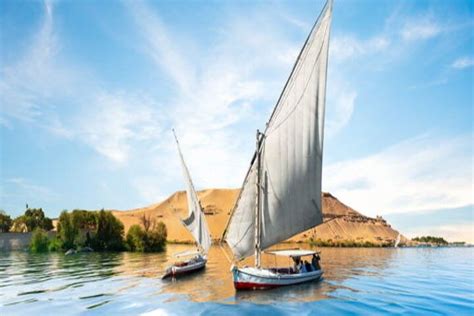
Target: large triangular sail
point(289, 156)
point(195, 223)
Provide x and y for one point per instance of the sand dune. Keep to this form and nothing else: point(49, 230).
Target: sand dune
point(340, 221)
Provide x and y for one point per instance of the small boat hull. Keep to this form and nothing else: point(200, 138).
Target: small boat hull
point(184, 268)
point(261, 279)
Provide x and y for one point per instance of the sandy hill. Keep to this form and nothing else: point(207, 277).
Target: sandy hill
point(341, 223)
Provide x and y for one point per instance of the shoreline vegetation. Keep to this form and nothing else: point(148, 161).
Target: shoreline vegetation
point(81, 230)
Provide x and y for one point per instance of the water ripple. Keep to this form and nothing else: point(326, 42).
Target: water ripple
point(356, 281)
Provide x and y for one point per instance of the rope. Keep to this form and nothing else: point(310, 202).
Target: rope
point(225, 254)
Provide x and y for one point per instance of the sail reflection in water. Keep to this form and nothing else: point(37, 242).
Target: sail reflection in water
point(361, 280)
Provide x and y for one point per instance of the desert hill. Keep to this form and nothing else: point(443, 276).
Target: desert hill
point(341, 223)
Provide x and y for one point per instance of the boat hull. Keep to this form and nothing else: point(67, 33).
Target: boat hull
point(262, 279)
point(179, 270)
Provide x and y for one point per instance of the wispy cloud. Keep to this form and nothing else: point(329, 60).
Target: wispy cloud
point(420, 28)
point(340, 106)
point(161, 47)
point(42, 80)
point(217, 89)
point(345, 47)
point(116, 121)
point(463, 62)
point(422, 173)
point(25, 86)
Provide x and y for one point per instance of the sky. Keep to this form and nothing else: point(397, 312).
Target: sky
point(90, 90)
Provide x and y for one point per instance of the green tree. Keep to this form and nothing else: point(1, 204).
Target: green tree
point(33, 218)
point(110, 233)
point(66, 230)
point(431, 239)
point(136, 238)
point(156, 238)
point(5, 222)
point(86, 224)
point(153, 240)
point(39, 241)
point(84, 220)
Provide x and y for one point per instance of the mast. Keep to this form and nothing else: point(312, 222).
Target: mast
point(258, 218)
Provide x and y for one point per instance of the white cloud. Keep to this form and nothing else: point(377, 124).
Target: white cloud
point(347, 47)
point(24, 85)
point(418, 174)
point(340, 106)
point(31, 87)
point(420, 29)
point(341, 93)
point(116, 121)
point(463, 62)
point(217, 88)
point(161, 47)
point(108, 121)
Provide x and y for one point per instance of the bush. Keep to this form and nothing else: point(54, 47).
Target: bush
point(135, 239)
point(39, 241)
point(66, 230)
point(431, 239)
point(98, 230)
point(109, 234)
point(55, 244)
point(156, 238)
point(153, 240)
point(345, 243)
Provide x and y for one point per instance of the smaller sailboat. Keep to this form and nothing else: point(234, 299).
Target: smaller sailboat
point(196, 224)
point(397, 242)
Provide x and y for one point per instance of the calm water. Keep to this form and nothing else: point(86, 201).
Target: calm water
point(356, 281)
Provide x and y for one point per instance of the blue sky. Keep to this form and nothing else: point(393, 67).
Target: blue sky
point(90, 90)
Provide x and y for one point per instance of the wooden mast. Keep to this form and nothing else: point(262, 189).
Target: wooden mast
point(257, 207)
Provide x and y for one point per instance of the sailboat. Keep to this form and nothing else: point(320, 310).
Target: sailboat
point(397, 241)
point(281, 193)
point(196, 224)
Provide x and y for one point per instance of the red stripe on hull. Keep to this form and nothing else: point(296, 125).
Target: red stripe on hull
point(254, 286)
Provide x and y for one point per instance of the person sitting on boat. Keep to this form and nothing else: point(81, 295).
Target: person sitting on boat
point(315, 261)
point(303, 267)
point(308, 266)
point(297, 264)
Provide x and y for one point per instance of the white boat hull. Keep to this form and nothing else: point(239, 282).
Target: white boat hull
point(186, 267)
point(259, 279)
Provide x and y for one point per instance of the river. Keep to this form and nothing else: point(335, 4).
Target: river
point(359, 281)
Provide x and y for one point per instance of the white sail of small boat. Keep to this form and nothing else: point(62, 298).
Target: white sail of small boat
point(281, 193)
point(397, 242)
point(195, 223)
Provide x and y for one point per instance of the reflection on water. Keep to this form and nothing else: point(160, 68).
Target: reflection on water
point(355, 279)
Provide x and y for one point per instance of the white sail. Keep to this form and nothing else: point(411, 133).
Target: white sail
point(195, 223)
point(290, 155)
point(397, 241)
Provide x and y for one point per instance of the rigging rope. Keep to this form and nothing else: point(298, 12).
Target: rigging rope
point(225, 254)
